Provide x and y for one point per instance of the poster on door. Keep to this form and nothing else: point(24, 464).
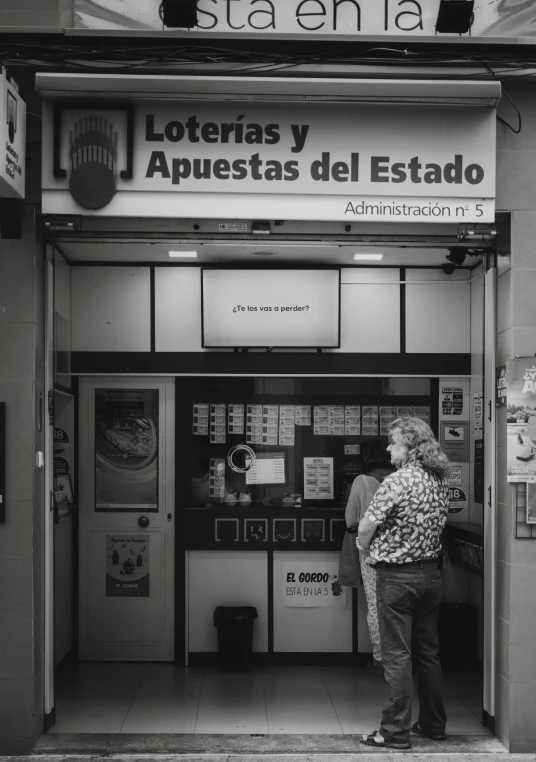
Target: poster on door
point(127, 565)
point(126, 450)
point(309, 585)
point(521, 419)
point(455, 441)
point(452, 401)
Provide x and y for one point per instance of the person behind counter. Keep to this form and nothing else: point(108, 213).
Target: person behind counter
point(403, 528)
point(375, 460)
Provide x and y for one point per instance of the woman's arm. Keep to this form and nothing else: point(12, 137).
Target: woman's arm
point(366, 531)
point(354, 504)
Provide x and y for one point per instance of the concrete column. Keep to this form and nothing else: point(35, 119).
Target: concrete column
point(21, 537)
point(516, 591)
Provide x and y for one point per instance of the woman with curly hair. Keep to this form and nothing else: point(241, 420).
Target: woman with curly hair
point(402, 529)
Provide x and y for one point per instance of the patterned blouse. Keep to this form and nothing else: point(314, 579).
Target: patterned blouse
point(410, 509)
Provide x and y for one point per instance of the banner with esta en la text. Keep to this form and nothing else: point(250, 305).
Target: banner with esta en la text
point(305, 18)
point(305, 161)
point(309, 585)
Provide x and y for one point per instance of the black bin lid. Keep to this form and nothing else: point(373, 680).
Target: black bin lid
point(234, 613)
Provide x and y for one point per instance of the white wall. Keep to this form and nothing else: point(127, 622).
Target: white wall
point(225, 578)
point(63, 589)
point(309, 630)
point(178, 309)
point(370, 310)
point(111, 310)
point(438, 312)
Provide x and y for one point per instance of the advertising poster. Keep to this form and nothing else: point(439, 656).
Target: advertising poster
point(458, 491)
point(500, 386)
point(455, 441)
point(387, 416)
point(126, 450)
point(521, 420)
point(254, 424)
point(318, 478)
point(218, 415)
point(352, 420)
point(200, 419)
point(458, 500)
point(308, 585)
point(303, 415)
point(370, 420)
point(478, 415)
point(455, 478)
point(287, 421)
point(336, 420)
point(423, 413)
point(127, 565)
point(235, 420)
point(451, 401)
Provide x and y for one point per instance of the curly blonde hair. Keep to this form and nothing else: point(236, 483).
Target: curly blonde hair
point(422, 446)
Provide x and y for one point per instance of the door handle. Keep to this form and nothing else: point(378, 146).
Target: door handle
point(489, 496)
point(143, 521)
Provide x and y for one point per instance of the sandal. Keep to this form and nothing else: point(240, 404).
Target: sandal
point(370, 740)
point(416, 728)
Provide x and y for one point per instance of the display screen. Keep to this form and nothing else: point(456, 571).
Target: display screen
point(271, 308)
point(269, 468)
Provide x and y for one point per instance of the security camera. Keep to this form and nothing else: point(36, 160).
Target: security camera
point(448, 268)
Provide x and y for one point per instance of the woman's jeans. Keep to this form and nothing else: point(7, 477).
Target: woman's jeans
point(408, 599)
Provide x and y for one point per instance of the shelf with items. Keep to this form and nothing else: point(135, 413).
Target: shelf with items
point(465, 546)
point(525, 529)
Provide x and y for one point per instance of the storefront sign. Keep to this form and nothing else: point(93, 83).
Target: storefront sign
point(352, 163)
point(521, 419)
point(12, 139)
point(127, 565)
point(307, 17)
point(126, 450)
point(308, 585)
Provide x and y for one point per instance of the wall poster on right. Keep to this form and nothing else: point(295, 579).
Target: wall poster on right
point(521, 419)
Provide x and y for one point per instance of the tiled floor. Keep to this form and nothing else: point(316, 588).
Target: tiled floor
point(166, 698)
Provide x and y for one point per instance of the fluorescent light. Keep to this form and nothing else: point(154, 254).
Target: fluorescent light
point(184, 254)
point(368, 257)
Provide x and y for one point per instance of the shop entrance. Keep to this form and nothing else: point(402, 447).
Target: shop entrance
point(221, 547)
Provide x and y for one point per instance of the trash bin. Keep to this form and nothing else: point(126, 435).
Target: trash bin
point(235, 636)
